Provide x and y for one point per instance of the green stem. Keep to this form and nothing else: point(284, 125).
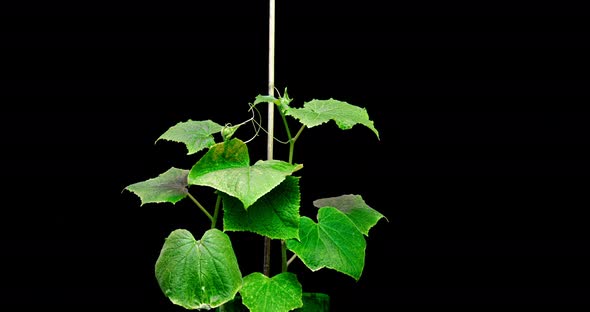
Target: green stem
point(289, 137)
point(298, 133)
point(201, 207)
point(292, 143)
point(216, 212)
point(284, 263)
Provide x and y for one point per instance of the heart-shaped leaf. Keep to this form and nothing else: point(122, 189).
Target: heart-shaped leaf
point(226, 167)
point(198, 274)
point(196, 135)
point(275, 215)
point(170, 186)
point(317, 112)
point(334, 242)
point(280, 293)
point(355, 208)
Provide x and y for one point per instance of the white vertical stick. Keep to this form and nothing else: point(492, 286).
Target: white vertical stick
point(270, 138)
point(271, 78)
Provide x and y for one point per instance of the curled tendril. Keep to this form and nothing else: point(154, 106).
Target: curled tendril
point(228, 130)
point(258, 126)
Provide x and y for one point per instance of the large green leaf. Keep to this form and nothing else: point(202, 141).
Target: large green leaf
point(317, 112)
point(198, 274)
point(170, 186)
point(280, 293)
point(355, 208)
point(334, 242)
point(275, 215)
point(226, 167)
point(196, 135)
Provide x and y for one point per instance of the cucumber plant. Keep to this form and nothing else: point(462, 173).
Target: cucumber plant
point(261, 197)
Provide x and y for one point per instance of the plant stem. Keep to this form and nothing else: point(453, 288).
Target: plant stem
point(216, 211)
point(292, 142)
point(298, 133)
point(293, 257)
point(284, 263)
point(289, 138)
point(201, 207)
point(270, 138)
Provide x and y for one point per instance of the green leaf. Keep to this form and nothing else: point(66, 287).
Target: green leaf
point(228, 131)
point(265, 99)
point(282, 102)
point(198, 274)
point(355, 208)
point(282, 292)
point(317, 112)
point(225, 167)
point(170, 186)
point(275, 215)
point(334, 242)
point(196, 135)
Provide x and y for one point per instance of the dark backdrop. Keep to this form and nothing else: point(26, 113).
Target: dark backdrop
point(481, 170)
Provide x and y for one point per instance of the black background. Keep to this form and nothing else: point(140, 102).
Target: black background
point(481, 168)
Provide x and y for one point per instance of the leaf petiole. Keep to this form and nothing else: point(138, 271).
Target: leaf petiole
point(201, 207)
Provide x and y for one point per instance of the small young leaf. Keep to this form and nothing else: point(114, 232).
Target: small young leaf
point(282, 292)
point(225, 167)
point(282, 102)
point(334, 242)
point(228, 131)
point(355, 208)
point(317, 112)
point(196, 135)
point(264, 99)
point(275, 215)
point(170, 186)
point(198, 274)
